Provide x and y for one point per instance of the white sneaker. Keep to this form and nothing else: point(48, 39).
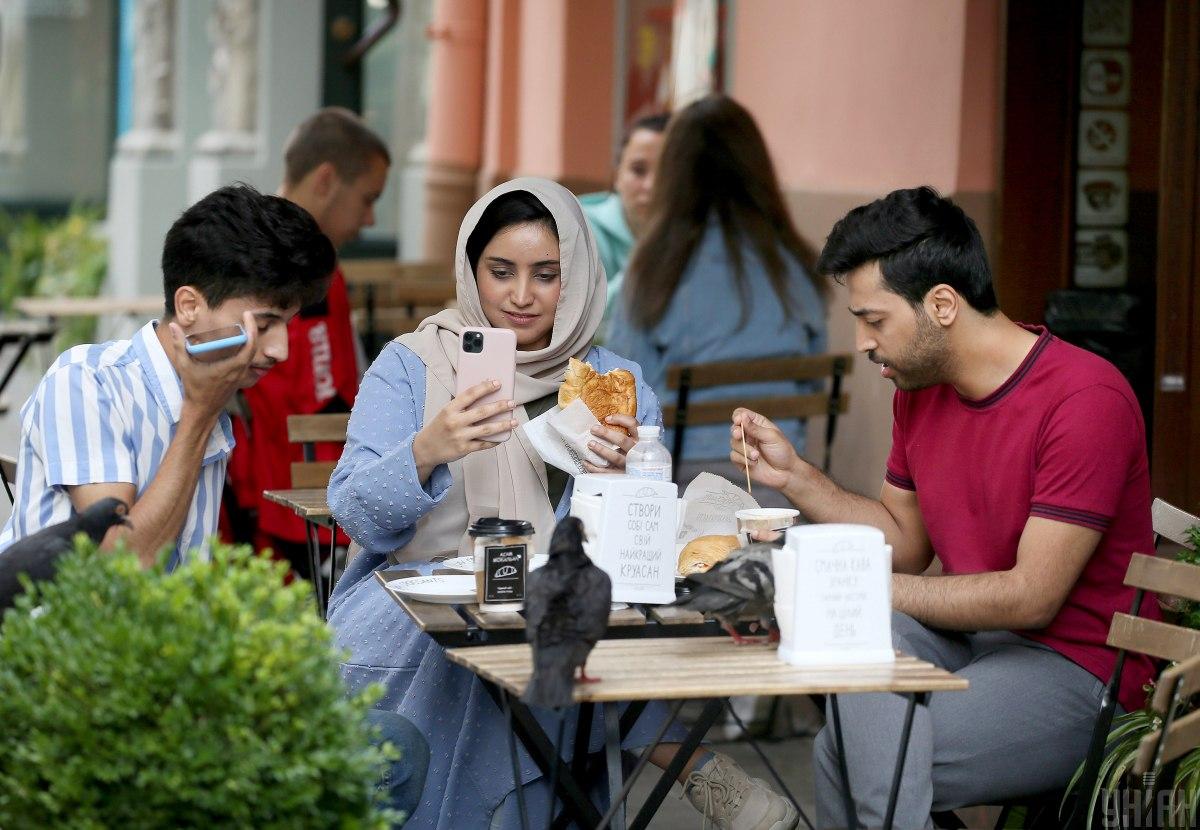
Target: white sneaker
point(732, 800)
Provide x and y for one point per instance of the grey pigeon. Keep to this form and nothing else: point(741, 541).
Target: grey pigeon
point(566, 612)
point(37, 554)
point(741, 585)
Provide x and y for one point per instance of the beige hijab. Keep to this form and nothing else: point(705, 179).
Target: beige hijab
point(509, 480)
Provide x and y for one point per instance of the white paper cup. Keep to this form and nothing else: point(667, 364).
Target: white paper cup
point(765, 518)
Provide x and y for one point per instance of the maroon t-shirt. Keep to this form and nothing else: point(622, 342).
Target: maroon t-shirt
point(1061, 439)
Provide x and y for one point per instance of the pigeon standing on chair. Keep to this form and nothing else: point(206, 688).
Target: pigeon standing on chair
point(37, 554)
point(741, 585)
point(566, 612)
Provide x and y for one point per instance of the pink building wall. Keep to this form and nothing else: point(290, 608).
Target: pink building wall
point(856, 99)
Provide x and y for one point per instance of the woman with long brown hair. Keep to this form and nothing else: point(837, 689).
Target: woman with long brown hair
point(720, 272)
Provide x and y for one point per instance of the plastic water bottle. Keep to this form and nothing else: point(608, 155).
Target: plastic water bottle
point(649, 458)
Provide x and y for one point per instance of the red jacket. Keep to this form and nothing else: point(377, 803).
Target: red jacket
point(320, 375)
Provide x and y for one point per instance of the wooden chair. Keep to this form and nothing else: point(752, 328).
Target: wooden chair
point(686, 378)
point(8, 476)
point(1160, 751)
point(308, 431)
point(389, 298)
point(1130, 632)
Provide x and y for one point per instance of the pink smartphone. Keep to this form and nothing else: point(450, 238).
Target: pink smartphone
point(488, 354)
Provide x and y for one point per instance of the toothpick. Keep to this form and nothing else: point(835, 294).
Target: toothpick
point(746, 455)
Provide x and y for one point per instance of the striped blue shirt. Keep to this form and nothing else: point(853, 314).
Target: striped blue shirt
point(107, 413)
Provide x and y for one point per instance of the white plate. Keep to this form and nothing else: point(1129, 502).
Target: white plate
point(466, 564)
point(442, 588)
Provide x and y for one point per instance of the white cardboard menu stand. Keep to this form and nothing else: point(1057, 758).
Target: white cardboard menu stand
point(633, 535)
point(841, 595)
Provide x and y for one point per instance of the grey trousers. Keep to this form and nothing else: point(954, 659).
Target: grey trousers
point(1022, 728)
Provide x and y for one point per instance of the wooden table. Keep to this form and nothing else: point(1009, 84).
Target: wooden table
point(312, 506)
point(459, 625)
point(55, 307)
point(679, 669)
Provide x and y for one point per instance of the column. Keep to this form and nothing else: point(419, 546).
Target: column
point(455, 135)
point(263, 78)
point(146, 189)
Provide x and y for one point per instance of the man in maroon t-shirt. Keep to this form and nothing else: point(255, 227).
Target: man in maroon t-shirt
point(335, 167)
point(1020, 461)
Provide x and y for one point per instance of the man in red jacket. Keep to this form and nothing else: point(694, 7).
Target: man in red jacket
point(335, 168)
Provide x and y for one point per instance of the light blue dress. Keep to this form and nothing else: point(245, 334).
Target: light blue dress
point(702, 324)
point(377, 499)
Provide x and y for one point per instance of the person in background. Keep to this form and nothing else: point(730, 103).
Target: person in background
point(618, 216)
point(143, 421)
point(718, 274)
point(335, 167)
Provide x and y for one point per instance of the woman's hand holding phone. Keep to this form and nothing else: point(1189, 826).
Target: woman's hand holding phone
point(456, 431)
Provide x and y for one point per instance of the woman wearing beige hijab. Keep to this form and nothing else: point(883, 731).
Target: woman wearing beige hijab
point(418, 468)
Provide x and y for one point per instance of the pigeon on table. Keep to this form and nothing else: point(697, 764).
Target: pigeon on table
point(566, 612)
point(37, 554)
point(742, 584)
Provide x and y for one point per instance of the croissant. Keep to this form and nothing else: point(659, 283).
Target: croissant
point(613, 393)
point(703, 552)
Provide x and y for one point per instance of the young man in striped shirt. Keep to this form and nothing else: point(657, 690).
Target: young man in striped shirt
point(144, 421)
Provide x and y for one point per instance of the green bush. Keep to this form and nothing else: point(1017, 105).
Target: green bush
point(206, 697)
point(58, 257)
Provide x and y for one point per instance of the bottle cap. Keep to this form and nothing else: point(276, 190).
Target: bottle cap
point(648, 432)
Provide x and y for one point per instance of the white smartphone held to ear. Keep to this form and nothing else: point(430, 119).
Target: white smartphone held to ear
point(483, 355)
point(217, 344)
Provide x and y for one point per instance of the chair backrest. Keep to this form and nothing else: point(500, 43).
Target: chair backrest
point(310, 430)
point(390, 298)
point(1177, 735)
point(8, 475)
point(360, 272)
point(798, 368)
point(1171, 523)
point(1130, 632)
point(1158, 639)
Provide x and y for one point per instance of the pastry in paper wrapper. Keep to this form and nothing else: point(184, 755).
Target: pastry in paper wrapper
point(613, 393)
point(561, 437)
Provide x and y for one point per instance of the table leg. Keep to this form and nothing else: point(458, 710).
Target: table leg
point(762, 756)
point(314, 564)
point(537, 744)
point(847, 797)
point(22, 347)
point(612, 754)
point(617, 798)
point(712, 710)
point(583, 731)
point(586, 767)
point(7, 490)
point(516, 762)
point(332, 564)
point(905, 733)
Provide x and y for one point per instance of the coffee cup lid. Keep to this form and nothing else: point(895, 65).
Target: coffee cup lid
point(492, 526)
